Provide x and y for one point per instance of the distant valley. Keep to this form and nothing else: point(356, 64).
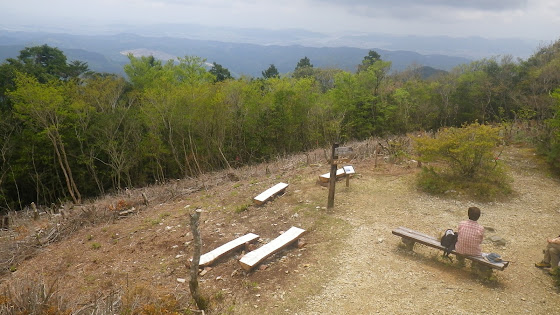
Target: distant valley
point(249, 56)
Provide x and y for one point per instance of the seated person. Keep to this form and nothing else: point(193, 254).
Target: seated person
point(551, 256)
point(471, 234)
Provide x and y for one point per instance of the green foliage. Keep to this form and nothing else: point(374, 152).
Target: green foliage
point(303, 69)
point(469, 161)
point(65, 132)
point(142, 71)
point(220, 72)
point(303, 63)
point(550, 146)
point(271, 72)
point(371, 58)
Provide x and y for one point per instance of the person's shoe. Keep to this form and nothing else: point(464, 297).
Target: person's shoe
point(554, 271)
point(542, 264)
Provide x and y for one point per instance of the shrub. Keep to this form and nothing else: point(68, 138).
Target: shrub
point(467, 160)
point(549, 142)
point(32, 296)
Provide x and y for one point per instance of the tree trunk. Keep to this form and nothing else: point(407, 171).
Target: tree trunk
point(64, 170)
point(193, 283)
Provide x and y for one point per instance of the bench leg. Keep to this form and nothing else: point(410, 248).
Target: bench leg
point(408, 243)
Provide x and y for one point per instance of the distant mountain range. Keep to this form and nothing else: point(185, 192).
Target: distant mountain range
point(249, 51)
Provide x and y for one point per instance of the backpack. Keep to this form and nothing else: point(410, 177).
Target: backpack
point(448, 241)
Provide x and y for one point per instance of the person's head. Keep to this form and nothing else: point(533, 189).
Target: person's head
point(474, 213)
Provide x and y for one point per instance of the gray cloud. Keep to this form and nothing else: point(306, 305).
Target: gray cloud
point(480, 5)
point(488, 18)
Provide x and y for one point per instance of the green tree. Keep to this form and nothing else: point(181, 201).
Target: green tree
point(220, 72)
point(102, 96)
point(371, 58)
point(8, 129)
point(45, 63)
point(45, 107)
point(304, 68)
point(304, 63)
point(271, 72)
point(142, 71)
point(549, 144)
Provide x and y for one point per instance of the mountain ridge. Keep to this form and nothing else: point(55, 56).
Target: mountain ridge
point(104, 52)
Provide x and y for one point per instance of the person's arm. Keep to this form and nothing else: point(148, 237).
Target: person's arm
point(554, 240)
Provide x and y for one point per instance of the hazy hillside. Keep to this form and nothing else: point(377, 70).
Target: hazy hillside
point(105, 53)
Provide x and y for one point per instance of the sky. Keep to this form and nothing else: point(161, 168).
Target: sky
point(529, 19)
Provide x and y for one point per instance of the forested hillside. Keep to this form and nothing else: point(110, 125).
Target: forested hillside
point(67, 133)
point(107, 53)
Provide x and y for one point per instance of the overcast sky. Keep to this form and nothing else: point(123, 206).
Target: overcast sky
point(532, 19)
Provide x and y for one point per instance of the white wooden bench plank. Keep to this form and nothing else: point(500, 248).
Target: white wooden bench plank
point(269, 193)
point(253, 258)
point(325, 177)
point(434, 242)
point(226, 248)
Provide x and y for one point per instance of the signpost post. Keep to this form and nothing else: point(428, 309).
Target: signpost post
point(332, 178)
point(335, 159)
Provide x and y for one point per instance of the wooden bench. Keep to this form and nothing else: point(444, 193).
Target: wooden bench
point(410, 237)
point(228, 247)
point(270, 193)
point(253, 258)
point(325, 177)
point(341, 172)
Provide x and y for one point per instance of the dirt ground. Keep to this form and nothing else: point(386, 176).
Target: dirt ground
point(351, 263)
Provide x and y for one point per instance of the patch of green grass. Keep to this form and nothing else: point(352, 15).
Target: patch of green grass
point(242, 208)
point(95, 246)
point(219, 296)
point(153, 222)
point(251, 285)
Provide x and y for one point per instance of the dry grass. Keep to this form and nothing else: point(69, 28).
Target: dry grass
point(97, 228)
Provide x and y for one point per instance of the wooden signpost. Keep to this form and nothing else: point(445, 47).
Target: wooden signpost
point(338, 155)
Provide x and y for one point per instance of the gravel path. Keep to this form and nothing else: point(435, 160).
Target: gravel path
point(377, 276)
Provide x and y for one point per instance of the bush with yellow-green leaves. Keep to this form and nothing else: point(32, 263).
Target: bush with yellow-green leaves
point(463, 160)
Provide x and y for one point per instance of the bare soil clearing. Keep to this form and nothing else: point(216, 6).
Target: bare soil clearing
point(352, 264)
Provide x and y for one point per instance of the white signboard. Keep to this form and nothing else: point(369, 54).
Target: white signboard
point(348, 169)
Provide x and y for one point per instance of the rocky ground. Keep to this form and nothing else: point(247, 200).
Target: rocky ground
point(352, 264)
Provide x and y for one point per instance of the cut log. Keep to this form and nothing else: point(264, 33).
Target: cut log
point(253, 258)
point(228, 247)
point(270, 193)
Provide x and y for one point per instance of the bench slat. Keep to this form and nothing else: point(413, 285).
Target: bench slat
point(325, 177)
point(226, 248)
point(253, 258)
point(434, 242)
point(269, 193)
